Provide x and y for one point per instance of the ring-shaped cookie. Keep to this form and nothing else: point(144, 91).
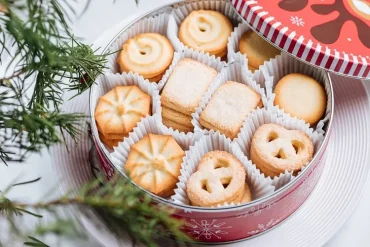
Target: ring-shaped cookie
point(148, 54)
point(207, 31)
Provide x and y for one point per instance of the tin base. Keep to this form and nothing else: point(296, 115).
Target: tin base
point(346, 170)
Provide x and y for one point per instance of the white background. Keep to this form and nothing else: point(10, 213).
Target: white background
point(100, 16)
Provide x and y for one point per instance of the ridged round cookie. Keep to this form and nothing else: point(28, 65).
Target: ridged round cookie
point(206, 30)
point(257, 49)
point(220, 178)
point(275, 149)
point(154, 163)
point(119, 110)
point(301, 96)
point(148, 54)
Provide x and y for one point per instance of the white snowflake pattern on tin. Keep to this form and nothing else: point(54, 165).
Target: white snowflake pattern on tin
point(303, 191)
point(258, 210)
point(205, 228)
point(297, 21)
point(264, 227)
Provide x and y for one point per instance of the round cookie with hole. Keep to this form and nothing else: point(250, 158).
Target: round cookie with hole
point(275, 149)
point(148, 54)
point(206, 30)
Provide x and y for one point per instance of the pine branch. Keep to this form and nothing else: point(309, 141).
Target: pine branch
point(43, 57)
point(119, 201)
point(31, 130)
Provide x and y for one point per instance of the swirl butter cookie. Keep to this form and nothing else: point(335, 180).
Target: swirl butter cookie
point(219, 178)
point(206, 30)
point(148, 54)
point(275, 149)
point(154, 163)
point(301, 96)
point(257, 49)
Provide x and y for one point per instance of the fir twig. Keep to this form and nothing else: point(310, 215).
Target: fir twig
point(121, 204)
point(41, 55)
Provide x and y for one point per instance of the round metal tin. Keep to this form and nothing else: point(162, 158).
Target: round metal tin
point(221, 225)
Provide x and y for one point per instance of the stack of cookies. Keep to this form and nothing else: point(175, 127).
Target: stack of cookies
point(219, 179)
point(183, 92)
point(118, 112)
point(229, 107)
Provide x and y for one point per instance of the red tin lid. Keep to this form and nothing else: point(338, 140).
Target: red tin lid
point(331, 34)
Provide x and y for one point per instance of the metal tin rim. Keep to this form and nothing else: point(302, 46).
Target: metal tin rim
point(294, 56)
point(201, 209)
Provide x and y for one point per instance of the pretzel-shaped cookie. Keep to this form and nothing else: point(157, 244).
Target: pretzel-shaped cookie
point(275, 149)
point(219, 178)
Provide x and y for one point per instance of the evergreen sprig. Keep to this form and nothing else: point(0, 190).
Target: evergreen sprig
point(43, 60)
point(122, 205)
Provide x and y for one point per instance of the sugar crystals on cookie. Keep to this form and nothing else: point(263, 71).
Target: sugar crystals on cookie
point(219, 179)
point(183, 92)
point(275, 149)
point(228, 108)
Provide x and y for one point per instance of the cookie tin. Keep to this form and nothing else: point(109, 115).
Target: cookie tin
point(330, 34)
point(234, 223)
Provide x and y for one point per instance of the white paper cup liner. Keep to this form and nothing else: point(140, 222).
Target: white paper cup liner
point(259, 185)
point(201, 57)
point(233, 43)
point(151, 124)
point(282, 65)
point(105, 83)
point(154, 24)
point(182, 10)
point(233, 72)
point(262, 116)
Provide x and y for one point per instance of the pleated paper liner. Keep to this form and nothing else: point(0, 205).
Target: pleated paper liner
point(148, 125)
point(282, 65)
point(263, 116)
point(155, 24)
point(182, 10)
point(233, 51)
point(105, 83)
point(233, 72)
point(201, 57)
point(259, 185)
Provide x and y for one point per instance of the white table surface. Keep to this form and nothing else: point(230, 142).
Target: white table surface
point(100, 16)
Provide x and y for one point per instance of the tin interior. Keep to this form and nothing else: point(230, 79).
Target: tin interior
point(251, 204)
